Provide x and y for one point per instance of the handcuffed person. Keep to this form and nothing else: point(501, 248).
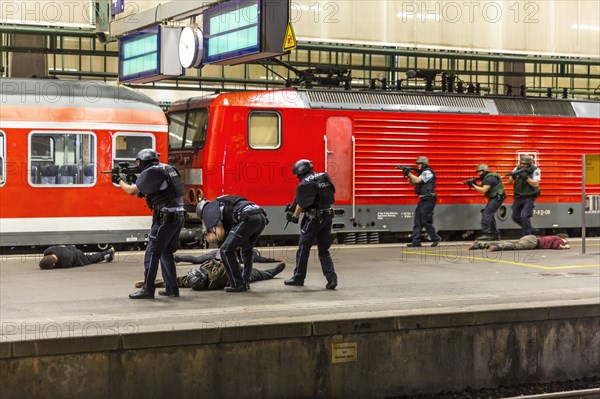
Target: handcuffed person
point(163, 188)
point(211, 275)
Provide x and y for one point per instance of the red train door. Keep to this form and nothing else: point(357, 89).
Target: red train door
point(339, 155)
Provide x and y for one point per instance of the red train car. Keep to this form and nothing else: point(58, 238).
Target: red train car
point(55, 139)
point(245, 143)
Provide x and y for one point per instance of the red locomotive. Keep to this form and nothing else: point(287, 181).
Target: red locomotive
point(55, 139)
point(245, 143)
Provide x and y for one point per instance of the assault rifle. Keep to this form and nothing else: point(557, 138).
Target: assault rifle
point(471, 182)
point(289, 213)
point(406, 169)
point(521, 173)
point(124, 168)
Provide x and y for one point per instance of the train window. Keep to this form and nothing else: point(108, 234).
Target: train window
point(264, 130)
point(176, 129)
point(62, 159)
point(2, 158)
point(195, 133)
point(127, 145)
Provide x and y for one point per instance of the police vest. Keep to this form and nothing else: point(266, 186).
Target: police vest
point(319, 183)
point(524, 189)
point(498, 189)
point(174, 190)
point(232, 204)
point(425, 188)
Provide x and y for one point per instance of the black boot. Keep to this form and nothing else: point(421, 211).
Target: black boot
point(142, 294)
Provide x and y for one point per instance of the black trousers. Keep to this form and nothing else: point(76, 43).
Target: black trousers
point(311, 228)
point(243, 235)
point(522, 211)
point(488, 220)
point(424, 219)
point(89, 258)
point(162, 243)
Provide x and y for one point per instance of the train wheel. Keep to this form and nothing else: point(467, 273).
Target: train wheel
point(103, 247)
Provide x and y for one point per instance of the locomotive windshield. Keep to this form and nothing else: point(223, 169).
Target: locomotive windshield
point(187, 130)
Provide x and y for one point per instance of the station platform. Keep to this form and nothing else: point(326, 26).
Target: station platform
point(398, 309)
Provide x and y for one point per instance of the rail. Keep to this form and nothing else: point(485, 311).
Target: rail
point(579, 394)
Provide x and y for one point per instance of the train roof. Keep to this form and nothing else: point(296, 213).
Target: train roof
point(400, 102)
point(71, 93)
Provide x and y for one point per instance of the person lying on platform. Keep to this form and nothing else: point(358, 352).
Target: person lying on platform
point(211, 275)
point(61, 256)
point(197, 260)
point(530, 241)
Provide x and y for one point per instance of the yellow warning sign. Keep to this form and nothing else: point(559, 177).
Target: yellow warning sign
point(592, 169)
point(289, 42)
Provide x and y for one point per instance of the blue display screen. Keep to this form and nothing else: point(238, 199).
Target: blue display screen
point(139, 54)
point(231, 30)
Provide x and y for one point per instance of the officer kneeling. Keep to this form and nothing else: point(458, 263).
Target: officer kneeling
point(314, 196)
point(236, 223)
point(163, 188)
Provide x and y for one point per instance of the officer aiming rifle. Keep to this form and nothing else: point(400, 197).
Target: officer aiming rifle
point(406, 169)
point(492, 188)
point(129, 171)
point(521, 173)
point(526, 178)
point(471, 182)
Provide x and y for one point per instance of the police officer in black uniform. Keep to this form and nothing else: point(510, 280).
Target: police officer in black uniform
point(314, 196)
point(492, 187)
point(424, 182)
point(526, 178)
point(163, 188)
point(236, 223)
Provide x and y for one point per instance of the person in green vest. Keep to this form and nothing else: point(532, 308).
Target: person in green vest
point(493, 189)
point(526, 178)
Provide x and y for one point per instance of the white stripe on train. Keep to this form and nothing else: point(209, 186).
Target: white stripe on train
point(79, 125)
point(86, 223)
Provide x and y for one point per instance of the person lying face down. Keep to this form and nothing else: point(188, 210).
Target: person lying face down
point(531, 241)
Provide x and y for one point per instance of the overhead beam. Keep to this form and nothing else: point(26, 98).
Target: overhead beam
point(172, 11)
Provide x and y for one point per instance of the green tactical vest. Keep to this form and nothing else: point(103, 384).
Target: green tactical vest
point(497, 189)
point(523, 188)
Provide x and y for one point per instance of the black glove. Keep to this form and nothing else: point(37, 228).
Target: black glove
point(116, 175)
point(523, 175)
point(291, 218)
point(470, 184)
point(131, 179)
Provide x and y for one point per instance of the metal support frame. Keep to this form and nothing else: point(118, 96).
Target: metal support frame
point(373, 62)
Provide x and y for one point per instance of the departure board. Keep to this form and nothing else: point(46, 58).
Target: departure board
point(244, 30)
point(232, 30)
point(139, 54)
point(149, 55)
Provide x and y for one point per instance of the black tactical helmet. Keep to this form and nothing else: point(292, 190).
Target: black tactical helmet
point(481, 168)
point(147, 156)
point(302, 167)
point(200, 207)
point(422, 160)
point(527, 159)
point(197, 279)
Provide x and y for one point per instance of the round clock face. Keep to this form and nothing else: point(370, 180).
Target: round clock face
point(190, 47)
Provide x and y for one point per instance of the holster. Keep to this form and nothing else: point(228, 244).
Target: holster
point(318, 214)
point(168, 217)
